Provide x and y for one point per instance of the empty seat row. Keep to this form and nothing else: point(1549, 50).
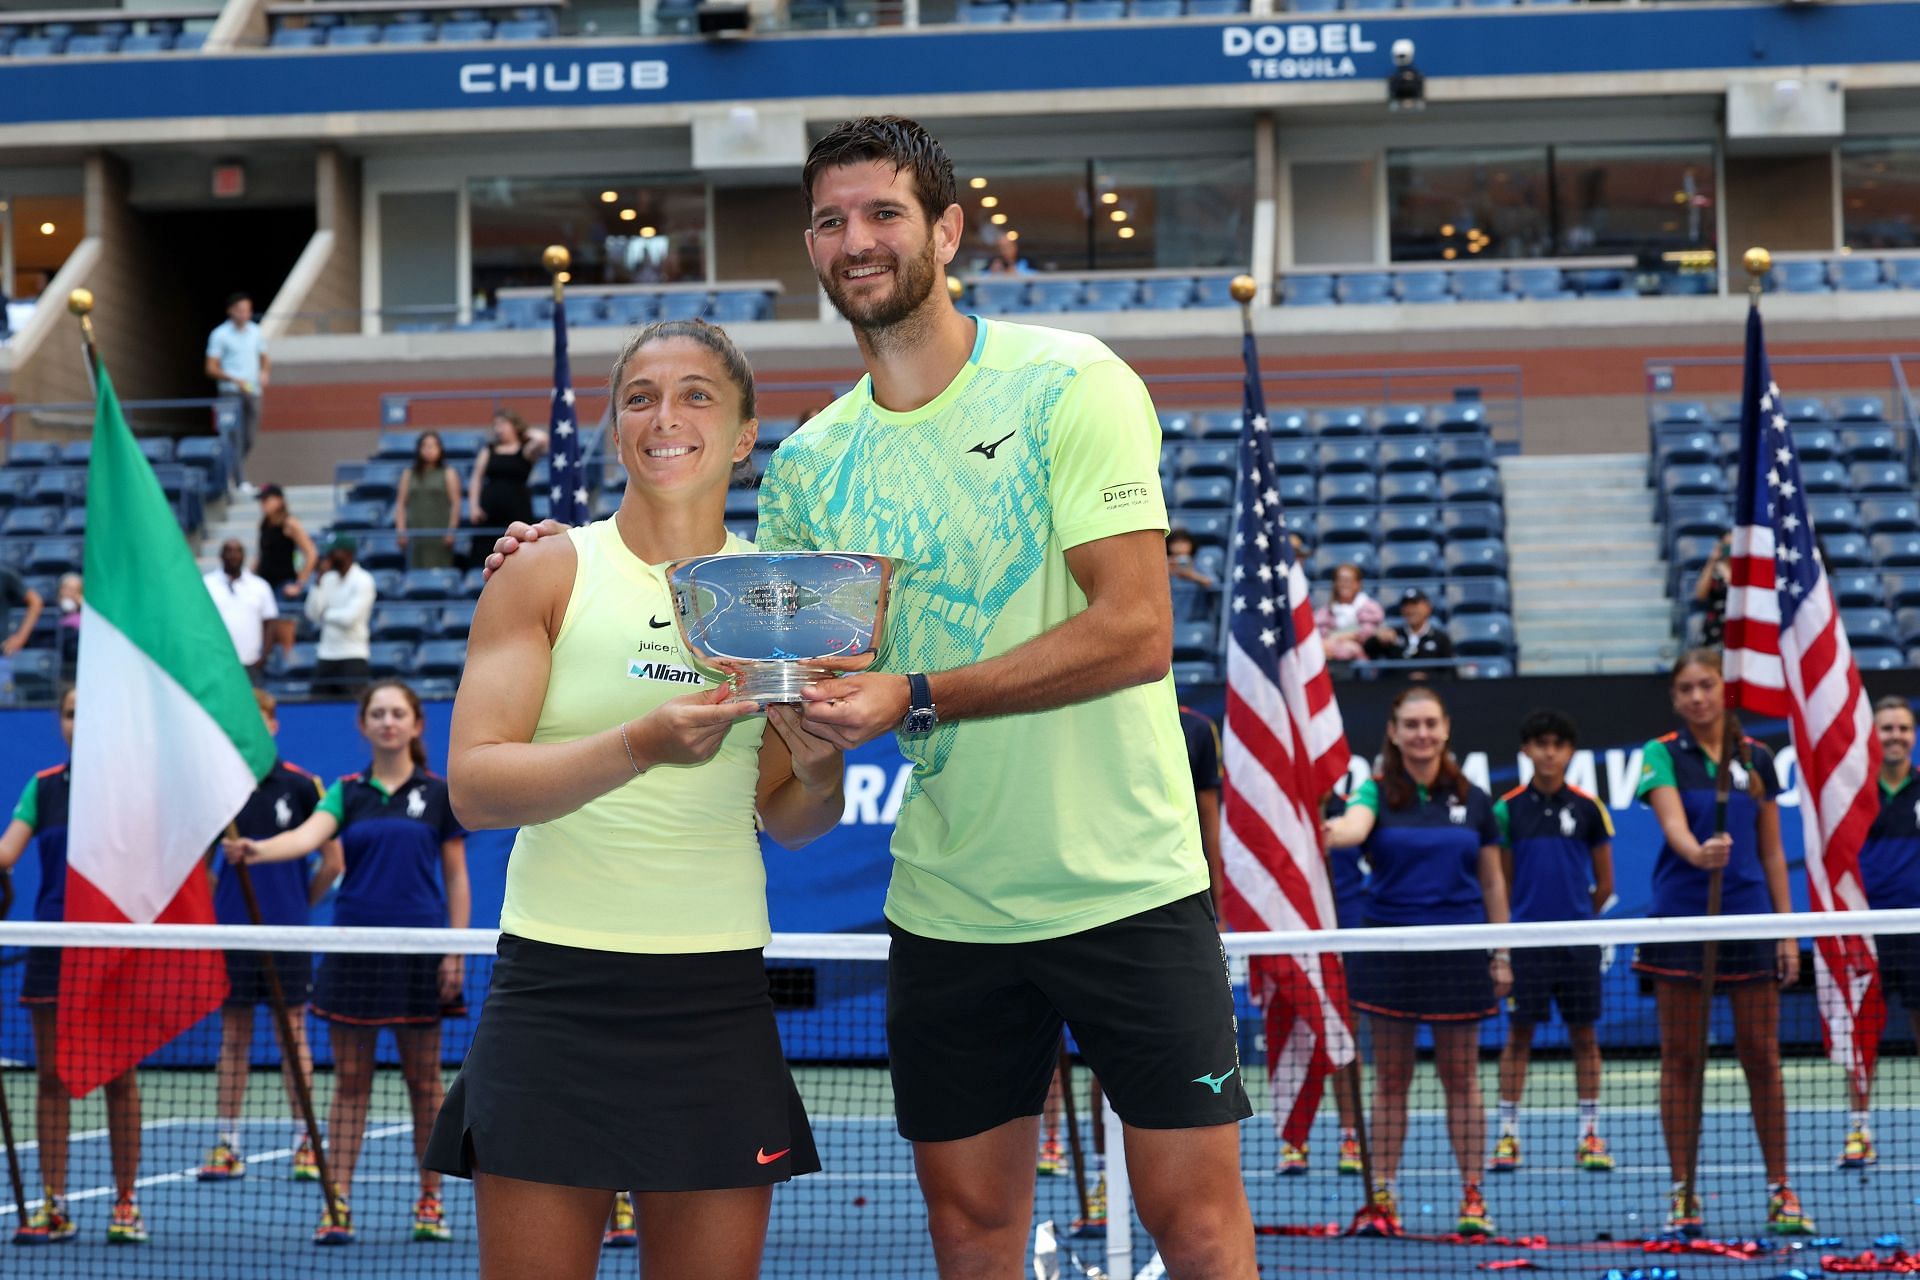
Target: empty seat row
point(1456, 418)
point(412, 26)
point(91, 44)
point(1341, 489)
point(1294, 457)
point(1487, 284)
point(1868, 443)
point(1815, 477)
point(1461, 558)
point(1019, 295)
point(1459, 521)
point(1375, 6)
point(1849, 273)
point(588, 310)
point(1799, 410)
point(415, 622)
point(430, 659)
point(203, 454)
point(995, 12)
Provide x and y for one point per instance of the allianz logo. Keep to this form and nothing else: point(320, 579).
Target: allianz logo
point(1297, 40)
point(556, 76)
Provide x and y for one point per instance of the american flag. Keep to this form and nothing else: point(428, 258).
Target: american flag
point(1787, 656)
point(570, 495)
point(1284, 749)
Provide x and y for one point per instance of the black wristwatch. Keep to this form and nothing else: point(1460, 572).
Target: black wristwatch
point(921, 715)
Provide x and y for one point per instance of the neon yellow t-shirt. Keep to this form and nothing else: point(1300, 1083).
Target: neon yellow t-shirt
point(1025, 826)
point(668, 861)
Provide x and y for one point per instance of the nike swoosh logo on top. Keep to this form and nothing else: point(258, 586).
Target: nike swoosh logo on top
point(656, 623)
point(988, 450)
point(764, 1158)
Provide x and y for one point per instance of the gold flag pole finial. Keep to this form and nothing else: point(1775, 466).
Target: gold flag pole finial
point(1245, 289)
point(1758, 263)
point(556, 260)
point(955, 288)
point(80, 303)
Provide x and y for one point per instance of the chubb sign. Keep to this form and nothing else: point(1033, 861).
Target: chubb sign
point(1298, 50)
point(562, 77)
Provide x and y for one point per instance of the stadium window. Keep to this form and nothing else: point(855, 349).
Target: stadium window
point(1479, 202)
point(1633, 199)
point(1880, 193)
point(513, 219)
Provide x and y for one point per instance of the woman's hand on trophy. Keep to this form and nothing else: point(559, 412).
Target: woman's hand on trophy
point(854, 710)
point(688, 729)
point(510, 541)
point(817, 763)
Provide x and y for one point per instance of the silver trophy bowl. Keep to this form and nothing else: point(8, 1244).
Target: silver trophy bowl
point(775, 622)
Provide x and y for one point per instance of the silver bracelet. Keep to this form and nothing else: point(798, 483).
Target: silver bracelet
point(629, 746)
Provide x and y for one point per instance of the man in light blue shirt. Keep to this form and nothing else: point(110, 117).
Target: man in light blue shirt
point(237, 362)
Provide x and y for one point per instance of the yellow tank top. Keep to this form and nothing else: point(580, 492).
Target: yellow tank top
point(668, 862)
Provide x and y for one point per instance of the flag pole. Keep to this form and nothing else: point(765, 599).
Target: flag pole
point(1244, 289)
point(17, 1183)
point(80, 303)
point(556, 260)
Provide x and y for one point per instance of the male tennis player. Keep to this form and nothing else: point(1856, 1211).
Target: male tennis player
point(1047, 859)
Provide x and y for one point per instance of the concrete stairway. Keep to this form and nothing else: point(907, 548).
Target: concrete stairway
point(311, 504)
point(1585, 564)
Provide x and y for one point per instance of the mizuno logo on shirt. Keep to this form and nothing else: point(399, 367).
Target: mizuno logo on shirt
point(987, 451)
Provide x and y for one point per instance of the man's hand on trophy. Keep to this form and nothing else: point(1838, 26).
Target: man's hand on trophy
point(853, 710)
point(517, 533)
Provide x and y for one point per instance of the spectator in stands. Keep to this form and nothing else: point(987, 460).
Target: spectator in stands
point(405, 858)
point(286, 892)
point(500, 491)
point(1180, 551)
point(1006, 260)
point(286, 558)
point(341, 604)
point(246, 605)
point(1349, 617)
point(16, 594)
point(1711, 592)
point(1417, 637)
point(1430, 838)
point(68, 601)
point(429, 499)
point(238, 363)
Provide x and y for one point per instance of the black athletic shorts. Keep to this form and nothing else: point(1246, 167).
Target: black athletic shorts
point(1900, 967)
point(973, 1028)
point(1737, 961)
point(1547, 976)
point(626, 1071)
point(247, 978)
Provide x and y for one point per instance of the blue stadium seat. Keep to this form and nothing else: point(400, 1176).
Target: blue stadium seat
point(1192, 641)
point(1099, 10)
point(53, 555)
point(1681, 413)
point(1209, 460)
point(39, 46)
point(156, 449)
point(1686, 449)
point(1364, 288)
point(1472, 520)
point(354, 36)
point(683, 306)
point(1700, 517)
point(1890, 550)
point(76, 454)
point(1207, 491)
point(33, 453)
point(1336, 525)
point(1829, 515)
point(1870, 626)
point(1479, 484)
point(1876, 657)
point(1477, 635)
point(57, 487)
point(1600, 282)
point(189, 41)
point(1489, 285)
point(73, 522)
point(1218, 424)
point(740, 307)
point(1906, 623)
point(1286, 422)
point(95, 45)
point(430, 584)
point(1476, 557)
point(978, 14)
point(410, 623)
point(1166, 295)
point(1334, 423)
point(379, 482)
point(1860, 588)
point(1688, 552)
point(1694, 482)
point(1410, 487)
point(465, 31)
point(465, 444)
point(1327, 559)
point(1885, 515)
point(1348, 491)
point(1002, 295)
point(358, 517)
point(1458, 453)
point(743, 503)
point(22, 522)
point(151, 42)
point(1292, 458)
point(1372, 6)
point(1800, 277)
point(388, 584)
point(1175, 424)
point(1905, 272)
point(1313, 6)
point(396, 446)
point(1421, 286)
point(1409, 560)
point(1307, 290)
point(36, 674)
point(1459, 418)
point(1871, 444)
point(1209, 528)
point(1411, 453)
point(1477, 595)
point(409, 33)
point(381, 551)
point(1041, 11)
point(524, 29)
point(1538, 283)
point(1110, 295)
point(1860, 409)
point(1401, 420)
point(390, 658)
point(1804, 409)
point(472, 583)
point(1296, 491)
point(1880, 477)
point(1815, 443)
point(1852, 551)
point(1214, 291)
point(1215, 8)
point(1347, 455)
point(1211, 561)
point(524, 313)
point(1857, 275)
point(1154, 8)
point(1408, 522)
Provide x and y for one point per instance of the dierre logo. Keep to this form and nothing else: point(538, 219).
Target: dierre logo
point(1124, 495)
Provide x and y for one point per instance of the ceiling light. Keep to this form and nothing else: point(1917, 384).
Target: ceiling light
point(1013, 235)
point(1449, 254)
point(608, 197)
point(649, 232)
point(998, 219)
point(989, 202)
point(1126, 233)
point(977, 183)
point(628, 215)
point(1109, 197)
point(1447, 229)
point(46, 228)
point(1118, 215)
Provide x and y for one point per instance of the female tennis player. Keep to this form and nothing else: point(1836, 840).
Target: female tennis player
point(1677, 779)
point(42, 814)
point(628, 1041)
point(406, 866)
point(1434, 847)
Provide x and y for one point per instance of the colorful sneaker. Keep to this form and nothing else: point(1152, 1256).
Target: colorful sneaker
point(331, 1232)
point(1293, 1160)
point(1858, 1153)
point(1683, 1211)
point(125, 1227)
point(1593, 1155)
point(49, 1224)
point(1506, 1154)
point(223, 1164)
point(620, 1229)
point(1784, 1215)
point(306, 1165)
point(1053, 1158)
point(430, 1221)
point(1096, 1219)
point(1474, 1219)
point(1381, 1217)
point(1350, 1155)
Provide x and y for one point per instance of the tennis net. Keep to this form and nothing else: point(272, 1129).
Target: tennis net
point(1558, 1205)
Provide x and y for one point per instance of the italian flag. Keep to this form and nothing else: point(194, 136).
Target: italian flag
point(167, 746)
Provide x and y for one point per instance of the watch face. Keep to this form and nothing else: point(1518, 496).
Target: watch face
point(920, 720)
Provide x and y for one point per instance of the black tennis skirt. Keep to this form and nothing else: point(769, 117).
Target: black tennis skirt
point(1422, 986)
point(379, 990)
point(628, 1072)
point(1739, 960)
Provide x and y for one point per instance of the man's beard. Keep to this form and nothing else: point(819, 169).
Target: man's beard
point(913, 280)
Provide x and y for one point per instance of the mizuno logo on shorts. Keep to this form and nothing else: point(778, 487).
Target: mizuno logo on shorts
point(1214, 1082)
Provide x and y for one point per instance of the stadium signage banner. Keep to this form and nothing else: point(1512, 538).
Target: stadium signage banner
point(1299, 51)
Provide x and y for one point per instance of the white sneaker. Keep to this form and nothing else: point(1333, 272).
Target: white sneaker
point(248, 490)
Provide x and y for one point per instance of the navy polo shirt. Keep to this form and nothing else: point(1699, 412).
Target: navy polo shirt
point(285, 798)
point(43, 806)
point(1203, 749)
point(1679, 887)
point(1890, 856)
point(392, 847)
point(1552, 838)
point(1425, 858)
